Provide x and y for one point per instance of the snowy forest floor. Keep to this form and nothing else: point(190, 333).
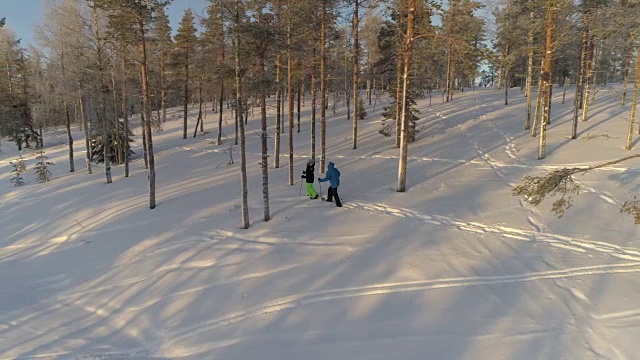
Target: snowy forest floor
point(455, 268)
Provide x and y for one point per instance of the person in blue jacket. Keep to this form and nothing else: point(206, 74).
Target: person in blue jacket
point(333, 176)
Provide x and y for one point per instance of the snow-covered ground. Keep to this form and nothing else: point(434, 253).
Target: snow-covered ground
point(455, 268)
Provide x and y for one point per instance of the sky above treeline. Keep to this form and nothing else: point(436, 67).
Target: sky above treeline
point(23, 15)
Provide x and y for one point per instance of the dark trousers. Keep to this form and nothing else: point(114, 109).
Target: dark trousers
point(333, 192)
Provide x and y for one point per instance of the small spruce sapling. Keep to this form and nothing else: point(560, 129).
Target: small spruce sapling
point(21, 164)
point(362, 113)
point(41, 168)
point(17, 179)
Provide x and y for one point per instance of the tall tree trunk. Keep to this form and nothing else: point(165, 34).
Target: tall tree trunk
point(499, 80)
point(186, 96)
point(163, 85)
point(245, 110)
point(507, 73)
point(75, 115)
point(356, 61)
point(588, 77)
point(632, 115)
point(323, 87)
point(373, 90)
point(105, 132)
point(550, 96)
point(125, 115)
point(144, 139)
point(399, 68)
point(536, 115)
point(529, 93)
point(290, 89)
point(104, 91)
point(627, 66)
point(346, 83)
point(594, 68)
point(402, 163)
point(265, 151)
point(506, 85)
point(313, 104)
point(243, 156)
point(9, 75)
point(278, 131)
point(449, 72)
point(299, 90)
point(200, 121)
point(67, 116)
point(147, 110)
point(118, 155)
point(546, 79)
point(238, 118)
point(584, 51)
point(221, 104)
point(577, 101)
point(85, 121)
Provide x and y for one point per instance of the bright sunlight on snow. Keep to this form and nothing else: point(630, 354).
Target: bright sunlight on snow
point(455, 268)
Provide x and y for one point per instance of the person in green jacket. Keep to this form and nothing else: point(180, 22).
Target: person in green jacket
point(309, 175)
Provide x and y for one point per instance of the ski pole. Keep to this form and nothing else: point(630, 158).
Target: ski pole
point(300, 187)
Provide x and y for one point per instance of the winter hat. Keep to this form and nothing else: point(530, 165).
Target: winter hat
point(311, 161)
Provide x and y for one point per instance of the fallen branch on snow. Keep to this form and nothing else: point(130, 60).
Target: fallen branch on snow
point(560, 182)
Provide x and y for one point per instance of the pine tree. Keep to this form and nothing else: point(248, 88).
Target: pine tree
point(16, 118)
point(235, 16)
point(130, 19)
point(362, 113)
point(546, 81)
point(22, 165)
point(60, 34)
point(161, 34)
point(406, 89)
point(214, 49)
point(41, 168)
point(186, 44)
point(17, 179)
point(116, 140)
point(356, 70)
point(261, 37)
point(290, 83)
point(238, 15)
point(389, 126)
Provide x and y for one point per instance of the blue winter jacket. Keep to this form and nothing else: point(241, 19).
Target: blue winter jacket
point(333, 175)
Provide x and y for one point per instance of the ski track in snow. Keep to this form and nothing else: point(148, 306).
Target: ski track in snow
point(483, 155)
point(510, 149)
point(293, 301)
point(571, 243)
point(595, 335)
point(592, 327)
point(219, 239)
point(583, 317)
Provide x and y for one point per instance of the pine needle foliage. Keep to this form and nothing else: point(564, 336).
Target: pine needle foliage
point(362, 113)
point(18, 166)
point(632, 208)
point(389, 114)
point(21, 164)
point(558, 182)
point(117, 141)
point(41, 168)
point(561, 182)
